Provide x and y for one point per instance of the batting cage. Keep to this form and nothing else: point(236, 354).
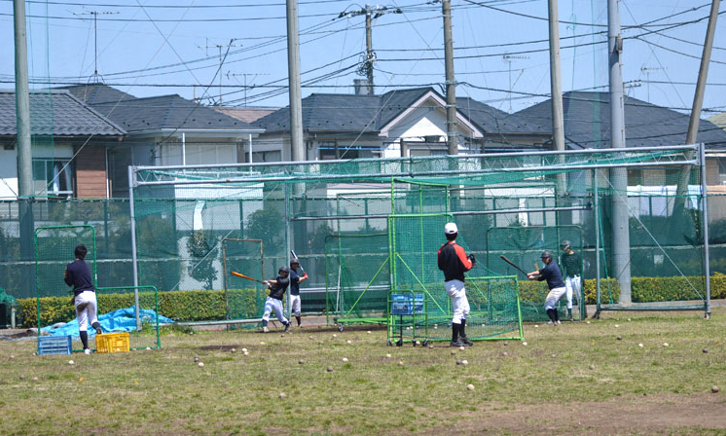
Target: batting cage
point(631, 220)
point(126, 309)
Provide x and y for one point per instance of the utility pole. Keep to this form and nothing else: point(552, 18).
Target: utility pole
point(692, 135)
point(95, 38)
point(221, 61)
point(558, 123)
point(618, 176)
point(26, 190)
point(371, 13)
point(293, 72)
point(451, 128)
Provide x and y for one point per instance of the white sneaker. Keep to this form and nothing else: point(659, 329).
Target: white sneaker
point(86, 351)
point(551, 323)
point(559, 322)
point(264, 329)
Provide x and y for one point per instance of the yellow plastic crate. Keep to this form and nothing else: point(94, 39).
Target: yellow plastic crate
point(113, 343)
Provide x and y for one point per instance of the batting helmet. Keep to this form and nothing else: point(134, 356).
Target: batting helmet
point(565, 244)
point(284, 269)
point(294, 261)
point(546, 254)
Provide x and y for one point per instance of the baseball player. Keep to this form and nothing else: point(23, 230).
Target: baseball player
point(297, 276)
point(551, 273)
point(78, 275)
point(454, 262)
point(278, 286)
point(571, 263)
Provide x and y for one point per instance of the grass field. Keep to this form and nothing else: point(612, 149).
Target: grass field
point(575, 379)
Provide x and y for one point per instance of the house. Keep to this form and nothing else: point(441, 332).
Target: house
point(71, 145)
point(166, 130)
point(410, 122)
point(587, 125)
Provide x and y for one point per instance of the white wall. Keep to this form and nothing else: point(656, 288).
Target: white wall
point(8, 174)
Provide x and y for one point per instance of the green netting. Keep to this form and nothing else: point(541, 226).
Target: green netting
point(244, 298)
point(523, 246)
point(147, 334)
point(357, 277)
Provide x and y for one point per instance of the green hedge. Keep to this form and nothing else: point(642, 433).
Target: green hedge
point(177, 305)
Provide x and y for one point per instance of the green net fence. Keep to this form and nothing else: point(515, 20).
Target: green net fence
point(183, 216)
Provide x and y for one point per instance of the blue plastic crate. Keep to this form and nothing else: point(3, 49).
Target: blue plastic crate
point(55, 345)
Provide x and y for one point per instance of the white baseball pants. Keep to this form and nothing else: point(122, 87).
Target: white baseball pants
point(554, 296)
point(85, 303)
point(273, 304)
point(295, 305)
point(573, 285)
point(459, 303)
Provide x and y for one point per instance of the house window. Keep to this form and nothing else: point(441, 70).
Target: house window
point(53, 177)
point(330, 150)
point(265, 156)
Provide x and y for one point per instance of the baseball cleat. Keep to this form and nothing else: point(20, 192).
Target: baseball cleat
point(86, 351)
point(287, 327)
point(264, 329)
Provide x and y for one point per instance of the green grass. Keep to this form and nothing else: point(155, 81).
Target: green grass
point(164, 392)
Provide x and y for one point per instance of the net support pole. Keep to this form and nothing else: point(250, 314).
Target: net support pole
point(706, 253)
point(596, 210)
point(134, 261)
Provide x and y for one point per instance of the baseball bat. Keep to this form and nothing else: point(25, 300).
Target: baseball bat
point(504, 258)
point(236, 274)
point(294, 256)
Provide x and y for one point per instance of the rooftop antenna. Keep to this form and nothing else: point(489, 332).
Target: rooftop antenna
point(647, 71)
point(231, 74)
point(221, 60)
point(509, 58)
point(95, 14)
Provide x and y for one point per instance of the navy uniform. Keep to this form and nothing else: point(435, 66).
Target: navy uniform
point(453, 261)
point(551, 272)
point(278, 286)
point(297, 276)
point(78, 275)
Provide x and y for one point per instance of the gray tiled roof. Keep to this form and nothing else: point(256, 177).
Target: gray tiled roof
point(154, 113)
point(587, 122)
point(370, 113)
point(95, 93)
point(167, 112)
point(55, 113)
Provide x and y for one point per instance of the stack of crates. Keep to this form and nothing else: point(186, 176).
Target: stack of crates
point(55, 345)
point(113, 343)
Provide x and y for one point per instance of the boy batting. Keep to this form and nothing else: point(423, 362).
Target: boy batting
point(277, 286)
point(551, 273)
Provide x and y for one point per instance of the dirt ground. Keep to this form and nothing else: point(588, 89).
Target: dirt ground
point(694, 414)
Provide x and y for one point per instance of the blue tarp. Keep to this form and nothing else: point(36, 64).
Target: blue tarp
point(121, 320)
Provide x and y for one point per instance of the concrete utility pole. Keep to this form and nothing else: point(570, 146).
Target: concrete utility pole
point(293, 72)
point(451, 130)
point(692, 135)
point(618, 176)
point(558, 123)
point(371, 12)
point(26, 190)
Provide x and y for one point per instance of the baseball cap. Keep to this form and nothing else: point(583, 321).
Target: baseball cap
point(451, 229)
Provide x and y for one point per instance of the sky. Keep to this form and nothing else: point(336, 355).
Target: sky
point(148, 48)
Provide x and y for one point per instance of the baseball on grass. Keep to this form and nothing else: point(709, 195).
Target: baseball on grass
point(70, 362)
point(388, 356)
point(524, 343)
point(714, 389)
point(470, 387)
point(349, 341)
point(283, 395)
point(462, 348)
point(201, 364)
point(464, 362)
point(330, 369)
point(641, 345)
point(345, 359)
point(301, 362)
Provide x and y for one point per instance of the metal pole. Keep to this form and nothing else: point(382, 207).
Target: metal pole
point(558, 123)
point(249, 139)
point(692, 134)
point(369, 50)
point(134, 261)
point(95, 43)
point(184, 148)
point(293, 70)
point(619, 176)
point(22, 103)
point(451, 130)
point(596, 213)
point(706, 247)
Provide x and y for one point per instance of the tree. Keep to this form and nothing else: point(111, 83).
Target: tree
point(202, 268)
point(268, 225)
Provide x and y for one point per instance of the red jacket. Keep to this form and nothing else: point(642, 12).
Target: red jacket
point(453, 261)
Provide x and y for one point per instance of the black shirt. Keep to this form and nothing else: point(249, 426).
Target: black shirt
point(551, 273)
point(571, 264)
point(277, 290)
point(295, 281)
point(78, 275)
point(453, 261)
